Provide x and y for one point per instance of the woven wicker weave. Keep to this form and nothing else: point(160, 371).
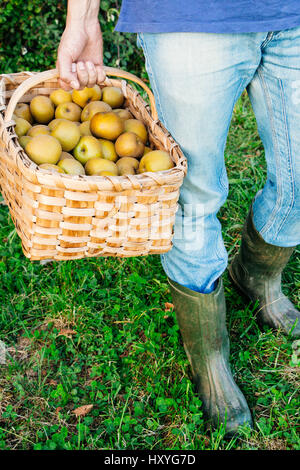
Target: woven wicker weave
point(61, 217)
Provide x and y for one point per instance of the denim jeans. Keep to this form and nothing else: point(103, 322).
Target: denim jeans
point(196, 79)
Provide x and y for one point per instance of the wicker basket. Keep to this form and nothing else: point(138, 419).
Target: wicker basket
point(62, 217)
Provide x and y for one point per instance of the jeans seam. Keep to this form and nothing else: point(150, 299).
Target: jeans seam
point(155, 89)
point(289, 160)
point(241, 87)
point(270, 222)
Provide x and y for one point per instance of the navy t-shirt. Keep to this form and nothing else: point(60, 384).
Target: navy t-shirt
point(211, 16)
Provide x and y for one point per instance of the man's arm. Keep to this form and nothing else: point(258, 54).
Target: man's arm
point(80, 53)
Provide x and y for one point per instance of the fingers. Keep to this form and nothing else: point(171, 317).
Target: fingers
point(92, 74)
point(87, 74)
point(101, 75)
point(67, 74)
point(80, 75)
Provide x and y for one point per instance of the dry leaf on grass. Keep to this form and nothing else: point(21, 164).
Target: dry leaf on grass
point(83, 410)
point(67, 332)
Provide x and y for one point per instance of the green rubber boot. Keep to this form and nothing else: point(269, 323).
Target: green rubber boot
point(201, 318)
point(256, 270)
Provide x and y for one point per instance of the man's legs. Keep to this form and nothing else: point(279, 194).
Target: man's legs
point(196, 79)
point(273, 228)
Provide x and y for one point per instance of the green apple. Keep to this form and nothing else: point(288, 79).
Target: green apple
point(88, 147)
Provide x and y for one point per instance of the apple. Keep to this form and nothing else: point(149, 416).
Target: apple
point(138, 127)
point(105, 173)
point(157, 160)
point(108, 150)
point(60, 96)
point(88, 147)
point(71, 166)
point(123, 113)
point(38, 129)
point(23, 110)
point(54, 123)
point(127, 166)
point(68, 134)
point(49, 166)
point(92, 108)
point(42, 109)
point(43, 149)
point(113, 96)
point(69, 111)
point(147, 150)
point(96, 165)
point(66, 155)
point(106, 125)
point(85, 96)
point(23, 140)
point(129, 144)
point(84, 128)
point(22, 126)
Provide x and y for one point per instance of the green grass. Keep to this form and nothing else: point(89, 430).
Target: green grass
point(124, 354)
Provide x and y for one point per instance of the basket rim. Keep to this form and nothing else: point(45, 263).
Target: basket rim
point(118, 182)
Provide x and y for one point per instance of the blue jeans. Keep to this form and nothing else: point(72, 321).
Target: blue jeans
point(197, 79)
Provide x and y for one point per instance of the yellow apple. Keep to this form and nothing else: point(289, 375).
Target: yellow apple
point(54, 123)
point(22, 126)
point(97, 165)
point(49, 166)
point(23, 140)
point(108, 150)
point(69, 111)
point(123, 113)
point(23, 110)
point(60, 96)
point(66, 155)
point(38, 129)
point(71, 166)
point(147, 150)
point(129, 144)
point(84, 128)
point(127, 166)
point(67, 133)
point(113, 96)
point(106, 125)
point(92, 108)
point(138, 127)
point(104, 173)
point(42, 109)
point(88, 147)
point(85, 96)
point(43, 149)
point(157, 160)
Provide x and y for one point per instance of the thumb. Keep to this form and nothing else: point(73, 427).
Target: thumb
point(67, 72)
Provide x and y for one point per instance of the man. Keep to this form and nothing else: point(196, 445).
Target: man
point(200, 56)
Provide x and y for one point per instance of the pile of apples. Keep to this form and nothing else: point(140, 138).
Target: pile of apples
point(86, 132)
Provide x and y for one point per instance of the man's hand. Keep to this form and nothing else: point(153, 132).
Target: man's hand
point(80, 53)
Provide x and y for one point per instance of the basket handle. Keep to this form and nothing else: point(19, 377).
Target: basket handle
point(52, 74)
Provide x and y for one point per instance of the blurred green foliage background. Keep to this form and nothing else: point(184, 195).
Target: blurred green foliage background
point(30, 32)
